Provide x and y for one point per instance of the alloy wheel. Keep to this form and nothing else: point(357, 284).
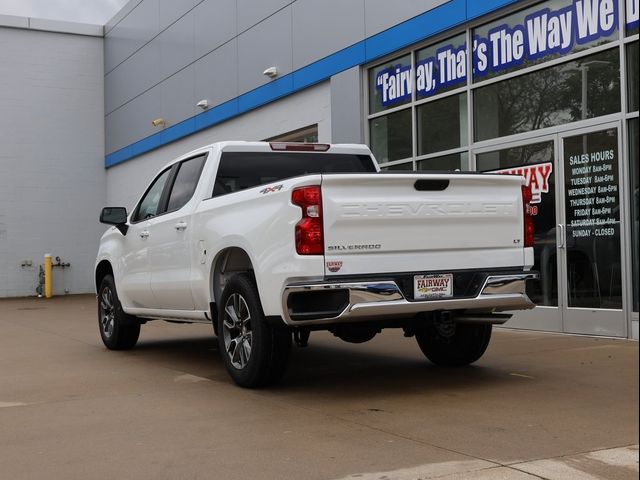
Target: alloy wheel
point(107, 312)
point(236, 326)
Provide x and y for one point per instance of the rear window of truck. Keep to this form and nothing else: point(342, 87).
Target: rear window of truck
point(242, 170)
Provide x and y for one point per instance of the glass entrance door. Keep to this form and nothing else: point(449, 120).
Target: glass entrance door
point(575, 181)
point(590, 232)
point(538, 162)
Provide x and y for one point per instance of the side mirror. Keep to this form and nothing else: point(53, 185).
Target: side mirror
point(116, 216)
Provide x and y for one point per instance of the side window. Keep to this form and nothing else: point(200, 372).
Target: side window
point(185, 183)
point(150, 203)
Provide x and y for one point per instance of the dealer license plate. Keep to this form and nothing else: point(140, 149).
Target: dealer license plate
point(429, 287)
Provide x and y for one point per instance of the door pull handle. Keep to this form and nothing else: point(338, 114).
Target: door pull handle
point(144, 234)
point(562, 236)
point(181, 226)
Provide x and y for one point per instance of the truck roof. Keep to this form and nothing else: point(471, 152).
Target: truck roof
point(243, 146)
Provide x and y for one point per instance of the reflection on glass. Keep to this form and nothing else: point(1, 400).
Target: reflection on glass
point(391, 136)
point(536, 163)
point(632, 77)
point(592, 211)
point(634, 159)
point(390, 84)
point(442, 124)
point(397, 167)
point(150, 204)
point(631, 27)
point(528, 37)
point(585, 88)
point(455, 161)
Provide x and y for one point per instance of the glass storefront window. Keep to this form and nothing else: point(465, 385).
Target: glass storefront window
point(441, 67)
point(536, 163)
point(632, 77)
point(540, 33)
point(634, 159)
point(454, 161)
point(390, 84)
point(442, 124)
point(584, 88)
point(390, 136)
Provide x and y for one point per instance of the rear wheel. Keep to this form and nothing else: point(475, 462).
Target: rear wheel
point(118, 330)
point(255, 353)
point(462, 345)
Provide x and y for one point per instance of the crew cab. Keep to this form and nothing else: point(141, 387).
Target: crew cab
point(271, 241)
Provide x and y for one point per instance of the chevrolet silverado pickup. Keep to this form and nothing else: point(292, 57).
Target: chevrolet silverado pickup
point(271, 241)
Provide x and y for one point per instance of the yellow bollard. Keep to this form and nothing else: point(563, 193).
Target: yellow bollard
point(48, 277)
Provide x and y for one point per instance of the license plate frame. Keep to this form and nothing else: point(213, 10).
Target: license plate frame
point(435, 286)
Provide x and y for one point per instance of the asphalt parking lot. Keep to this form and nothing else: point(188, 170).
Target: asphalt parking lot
point(535, 406)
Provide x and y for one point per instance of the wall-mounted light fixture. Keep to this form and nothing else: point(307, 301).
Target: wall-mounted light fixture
point(158, 122)
point(203, 104)
point(271, 72)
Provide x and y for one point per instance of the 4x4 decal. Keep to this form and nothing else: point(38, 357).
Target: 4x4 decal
point(275, 188)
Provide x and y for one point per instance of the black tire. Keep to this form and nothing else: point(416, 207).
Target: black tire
point(467, 344)
point(118, 330)
point(255, 353)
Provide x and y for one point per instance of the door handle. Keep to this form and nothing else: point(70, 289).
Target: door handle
point(181, 226)
point(562, 236)
point(144, 234)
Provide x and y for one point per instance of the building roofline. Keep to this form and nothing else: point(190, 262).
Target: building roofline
point(56, 26)
point(121, 14)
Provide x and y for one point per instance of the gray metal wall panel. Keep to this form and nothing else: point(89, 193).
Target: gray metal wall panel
point(381, 14)
point(216, 75)
point(251, 12)
point(300, 33)
point(132, 121)
point(143, 109)
point(123, 12)
point(137, 28)
point(346, 107)
point(215, 24)
point(265, 45)
point(112, 132)
point(176, 46)
point(178, 96)
point(171, 10)
point(140, 72)
point(321, 28)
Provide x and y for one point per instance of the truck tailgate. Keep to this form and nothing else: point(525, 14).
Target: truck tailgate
point(381, 223)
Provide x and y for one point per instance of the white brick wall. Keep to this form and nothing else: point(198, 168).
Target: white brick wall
point(52, 177)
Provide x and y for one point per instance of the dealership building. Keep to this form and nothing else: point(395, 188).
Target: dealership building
point(543, 89)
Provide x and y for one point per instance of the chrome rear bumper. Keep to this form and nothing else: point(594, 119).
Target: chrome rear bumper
point(378, 300)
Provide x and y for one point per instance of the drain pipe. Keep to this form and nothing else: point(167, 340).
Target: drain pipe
point(48, 276)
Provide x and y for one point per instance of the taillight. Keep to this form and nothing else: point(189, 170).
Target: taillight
point(529, 228)
point(309, 234)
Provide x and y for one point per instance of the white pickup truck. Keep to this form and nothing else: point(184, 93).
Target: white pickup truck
point(270, 241)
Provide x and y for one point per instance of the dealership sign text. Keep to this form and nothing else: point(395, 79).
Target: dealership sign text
point(543, 33)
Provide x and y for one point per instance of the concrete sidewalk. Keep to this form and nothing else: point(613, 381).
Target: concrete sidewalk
point(535, 406)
